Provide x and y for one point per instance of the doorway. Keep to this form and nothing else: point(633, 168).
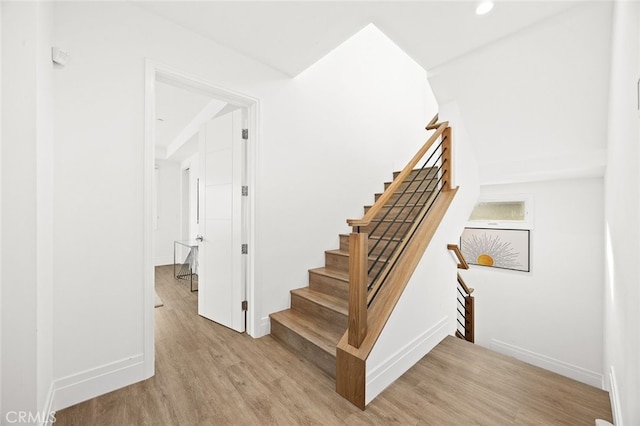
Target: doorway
point(224, 192)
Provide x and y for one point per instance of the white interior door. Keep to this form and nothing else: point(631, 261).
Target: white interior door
point(220, 271)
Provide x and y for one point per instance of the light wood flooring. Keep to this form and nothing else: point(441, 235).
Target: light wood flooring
point(207, 374)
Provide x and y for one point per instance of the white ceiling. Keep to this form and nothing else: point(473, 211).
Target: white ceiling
point(290, 36)
point(176, 107)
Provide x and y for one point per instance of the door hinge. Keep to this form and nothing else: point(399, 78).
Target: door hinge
point(245, 134)
point(245, 249)
point(245, 190)
point(245, 305)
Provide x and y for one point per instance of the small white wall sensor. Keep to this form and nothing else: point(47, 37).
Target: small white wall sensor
point(59, 56)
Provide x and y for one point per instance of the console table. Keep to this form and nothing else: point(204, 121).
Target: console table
point(189, 267)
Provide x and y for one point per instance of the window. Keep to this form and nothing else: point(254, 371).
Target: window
point(504, 211)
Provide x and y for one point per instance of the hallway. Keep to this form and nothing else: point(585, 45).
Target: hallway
point(209, 375)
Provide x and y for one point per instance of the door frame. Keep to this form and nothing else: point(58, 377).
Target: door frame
point(155, 71)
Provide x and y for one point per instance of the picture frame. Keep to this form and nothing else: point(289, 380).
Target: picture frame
point(497, 248)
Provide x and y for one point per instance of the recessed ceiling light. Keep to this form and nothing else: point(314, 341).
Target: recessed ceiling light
point(484, 7)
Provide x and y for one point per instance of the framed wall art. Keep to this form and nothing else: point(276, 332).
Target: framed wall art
point(496, 248)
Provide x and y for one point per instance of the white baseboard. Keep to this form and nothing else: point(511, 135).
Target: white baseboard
point(614, 397)
point(381, 376)
point(88, 384)
point(563, 368)
point(264, 327)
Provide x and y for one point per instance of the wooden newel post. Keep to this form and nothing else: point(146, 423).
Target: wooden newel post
point(358, 274)
point(447, 159)
point(469, 319)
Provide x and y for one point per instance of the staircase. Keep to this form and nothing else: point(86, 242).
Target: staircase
point(319, 313)
point(335, 322)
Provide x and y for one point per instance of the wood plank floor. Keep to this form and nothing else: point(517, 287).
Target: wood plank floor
point(209, 375)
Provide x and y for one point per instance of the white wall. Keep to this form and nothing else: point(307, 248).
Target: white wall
point(426, 311)
point(331, 137)
point(98, 196)
point(622, 213)
point(169, 203)
point(26, 208)
point(326, 142)
point(44, 204)
point(552, 315)
point(19, 368)
point(536, 101)
point(1, 118)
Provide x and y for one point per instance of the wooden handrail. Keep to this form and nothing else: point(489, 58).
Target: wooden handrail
point(375, 209)
point(433, 124)
point(464, 286)
point(462, 263)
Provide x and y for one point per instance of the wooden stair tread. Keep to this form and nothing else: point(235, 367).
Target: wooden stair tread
point(333, 273)
point(376, 220)
point(429, 181)
point(391, 204)
point(399, 192)
point(310, 328)
point(331, 302)
point(417, 171)
point(346, 254)
point(376, 237)
point(338, 252)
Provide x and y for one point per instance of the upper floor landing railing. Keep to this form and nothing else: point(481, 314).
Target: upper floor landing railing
point(465, 301)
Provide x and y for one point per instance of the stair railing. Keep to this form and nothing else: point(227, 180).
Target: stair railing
point(465, 301)
point(370, 265)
